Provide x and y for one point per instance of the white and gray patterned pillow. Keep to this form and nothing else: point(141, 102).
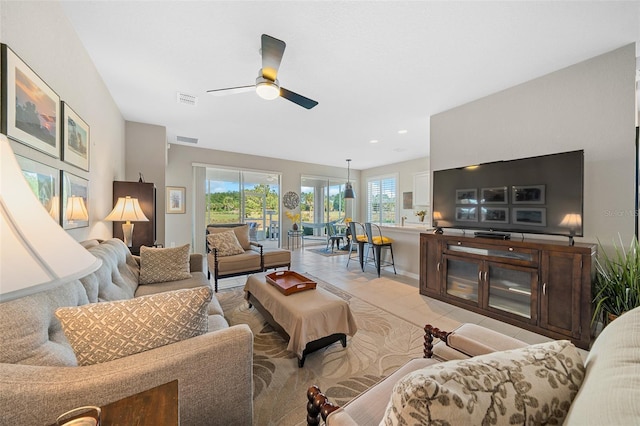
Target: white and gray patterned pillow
point(531, 385)
point(158, 265)
point(226, 243)
point(104, 331)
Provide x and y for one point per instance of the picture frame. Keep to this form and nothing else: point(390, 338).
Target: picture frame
point(529, 216)
point(494, 214)
point(407, 200)
point(30, 108)
point(495, 195)
point(176, 200)
point(467, 196)
point(466, 214)
point(528, 194)
point(75, 201)
point(76, 142)
point(44, 181)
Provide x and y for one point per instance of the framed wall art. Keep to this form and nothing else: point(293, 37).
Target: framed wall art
point(528, 194)
point(75, 201)
point(44, 181)
point(496, 195)
point(467, 196)
point(176, 199)
point(494, 214)
point(466, 214)
point(75, 138)
point(530, 216)
point(32, 113)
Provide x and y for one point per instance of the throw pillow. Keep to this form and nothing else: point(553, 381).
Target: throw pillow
point(104, 331)
point(226, 243)
point(532, 385)
point(158, 265)
point(242, 234)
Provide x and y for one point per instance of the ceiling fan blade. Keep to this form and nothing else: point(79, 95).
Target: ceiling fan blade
point(297, 99)
point(231, 90)
point(272, 51)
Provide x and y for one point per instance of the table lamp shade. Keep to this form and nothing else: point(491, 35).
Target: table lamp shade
point(76, 209)
point(127, 210)
point(35, 252)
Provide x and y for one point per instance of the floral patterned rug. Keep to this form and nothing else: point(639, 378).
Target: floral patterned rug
point(382, 344)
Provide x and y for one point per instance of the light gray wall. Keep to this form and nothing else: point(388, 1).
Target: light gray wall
point(590, 106)
point(406, 171)
point(40, 34)
point(146, 153)
point(179, 227)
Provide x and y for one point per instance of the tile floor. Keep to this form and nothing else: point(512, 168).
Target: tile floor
point(397, 294)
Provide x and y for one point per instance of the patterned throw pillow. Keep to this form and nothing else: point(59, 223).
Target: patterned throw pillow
point(532, 385)
point(104, 331)
point(158, 265)
point(226, 243)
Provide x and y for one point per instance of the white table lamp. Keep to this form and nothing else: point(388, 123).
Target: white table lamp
point(127, 210)
point(35, 252)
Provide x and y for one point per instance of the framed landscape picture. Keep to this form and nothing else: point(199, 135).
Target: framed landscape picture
point(176, 199)
point(75, 138)
point(32, 114)
point(530, 216)
point(467, 196)
point(494, 215)
point(466, 214)
point(528, 194)
point(496, 195)
point(75, 201)
point(44, 181)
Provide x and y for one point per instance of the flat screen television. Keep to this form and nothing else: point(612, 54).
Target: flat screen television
point(537, 195)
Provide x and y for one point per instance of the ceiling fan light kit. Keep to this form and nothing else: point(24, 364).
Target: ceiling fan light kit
point(267, 85)
point(267, 89)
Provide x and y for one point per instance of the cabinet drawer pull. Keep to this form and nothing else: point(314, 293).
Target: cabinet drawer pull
point(510, 248)
point(480, 276)
point(438, 267)
point(544, 289)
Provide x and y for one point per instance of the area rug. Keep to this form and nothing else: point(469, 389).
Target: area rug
point(329, 253)
point(381, 345)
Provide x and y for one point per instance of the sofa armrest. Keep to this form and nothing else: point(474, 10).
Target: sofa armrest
point(196, 262)
point(214, 373)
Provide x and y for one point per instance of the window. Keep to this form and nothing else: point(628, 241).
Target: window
point(382, 200)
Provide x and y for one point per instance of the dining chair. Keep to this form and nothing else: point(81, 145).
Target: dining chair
point(377, 242)
point(357, 239)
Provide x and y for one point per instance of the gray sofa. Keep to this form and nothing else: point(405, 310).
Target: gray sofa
point(40, 379)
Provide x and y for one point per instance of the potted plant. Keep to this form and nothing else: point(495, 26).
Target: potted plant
point(294, 218)
point(616, 287)
point(421, 214)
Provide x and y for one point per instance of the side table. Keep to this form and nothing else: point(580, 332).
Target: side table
point(154, 407)
point(294, 239)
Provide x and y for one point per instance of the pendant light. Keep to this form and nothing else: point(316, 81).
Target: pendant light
point(348, 190)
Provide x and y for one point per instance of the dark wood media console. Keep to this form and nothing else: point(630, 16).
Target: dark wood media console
point(542, 286)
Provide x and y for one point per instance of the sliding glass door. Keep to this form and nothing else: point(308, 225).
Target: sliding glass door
point(321, 201)
point(237, 196)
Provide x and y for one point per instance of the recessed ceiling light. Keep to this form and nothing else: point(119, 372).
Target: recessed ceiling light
point(402, 132)
point(374, 141)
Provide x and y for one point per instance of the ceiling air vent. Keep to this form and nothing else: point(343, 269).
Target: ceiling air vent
point(186, 99)
point(186, 139)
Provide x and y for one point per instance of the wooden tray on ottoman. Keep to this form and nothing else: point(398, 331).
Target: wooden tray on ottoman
point(289, 282)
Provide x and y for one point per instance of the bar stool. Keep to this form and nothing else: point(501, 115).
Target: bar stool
point(377, 242)
point(358, 239)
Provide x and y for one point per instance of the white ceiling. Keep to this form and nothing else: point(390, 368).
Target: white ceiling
point(375, 67)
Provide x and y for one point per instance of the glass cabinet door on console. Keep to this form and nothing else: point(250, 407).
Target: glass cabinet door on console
point(462, 278)
point(512, 289)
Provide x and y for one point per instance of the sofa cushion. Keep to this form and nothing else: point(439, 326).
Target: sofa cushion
point(31, 334)
point(610, 394)
point(248, 261)
point(242, 234)
point(225, 242)
point(275, 257)
point(158, 265)
point(531, 385)
point(117, 277)
point(101, 332)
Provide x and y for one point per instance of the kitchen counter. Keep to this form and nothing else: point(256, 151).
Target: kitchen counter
point(406, 246)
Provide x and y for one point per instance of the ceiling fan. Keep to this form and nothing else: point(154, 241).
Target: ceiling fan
point(267, 85)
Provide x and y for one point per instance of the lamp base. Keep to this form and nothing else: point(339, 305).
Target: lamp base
point(127, 233)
